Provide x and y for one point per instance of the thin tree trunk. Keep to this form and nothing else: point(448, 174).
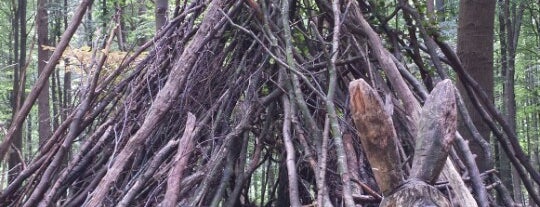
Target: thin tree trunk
point(121, 26)
point(503, 162)
point(15, 160)
point(42, 30)
point(430, 7)
point(162, 6)
point(513, 24)
point(89, 27)
point(440, 8)
point(510, 24)
point(141, 12)
point(12, 163)
point(44, 76)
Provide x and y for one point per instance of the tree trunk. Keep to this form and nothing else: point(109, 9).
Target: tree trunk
point(440, 8)
point(475, 50)
point(42, 30)
point(44, 76)
point(162, 6)
point(430, 8)
point(19, 82)
point(17, 135)
point(162, 102)
point(510, 23)
point(88, 25)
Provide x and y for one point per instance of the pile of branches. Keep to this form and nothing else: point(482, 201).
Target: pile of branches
point(245, 103)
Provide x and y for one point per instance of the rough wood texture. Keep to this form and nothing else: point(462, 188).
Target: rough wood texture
point(437, 128)
point(20, 116)
point(463, 196)
point(185, 147)
point(377, 135)
point(436, 132)
point(162, 102)
point(416, 193)
point(411, 105)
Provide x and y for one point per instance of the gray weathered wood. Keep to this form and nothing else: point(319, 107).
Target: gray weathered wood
point(416, 193)
point(436, 132)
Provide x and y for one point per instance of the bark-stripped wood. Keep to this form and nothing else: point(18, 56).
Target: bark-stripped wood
point(410, 104)
point(437, 128)
point(436, 132)
point(377, 135)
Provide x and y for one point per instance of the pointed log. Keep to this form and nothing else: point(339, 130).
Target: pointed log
point(377, 135)
point(436, 132)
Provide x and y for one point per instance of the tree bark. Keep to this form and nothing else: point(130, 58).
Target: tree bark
point(511, 23)
point(416, 193)
point(44, 76)
point(161, 13)
point(185, 147)
point(19, 82)
point(42, 30)
point(162, 101)
point(475, 50)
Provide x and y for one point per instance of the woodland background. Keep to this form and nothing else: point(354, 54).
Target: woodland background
point(139, 102)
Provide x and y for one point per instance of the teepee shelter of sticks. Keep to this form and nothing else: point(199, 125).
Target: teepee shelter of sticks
point(247, 103)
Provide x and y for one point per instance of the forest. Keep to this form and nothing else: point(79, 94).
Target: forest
point(270, 103)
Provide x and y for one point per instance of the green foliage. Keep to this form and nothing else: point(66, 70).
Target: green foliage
point(527, 74)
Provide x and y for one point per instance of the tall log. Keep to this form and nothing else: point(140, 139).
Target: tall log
point(377, 135)
point(436, 133)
